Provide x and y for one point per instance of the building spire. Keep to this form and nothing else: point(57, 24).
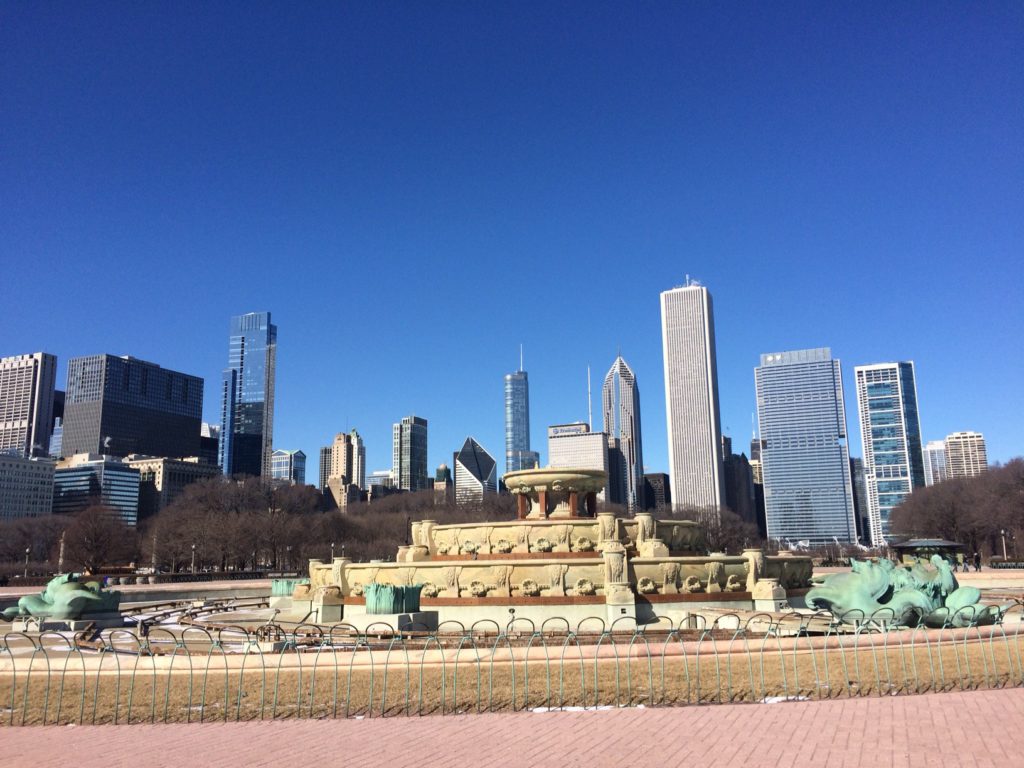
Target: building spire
point(520, 357)
point(590, 410)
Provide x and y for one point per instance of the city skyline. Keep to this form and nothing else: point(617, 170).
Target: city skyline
point(783, 159)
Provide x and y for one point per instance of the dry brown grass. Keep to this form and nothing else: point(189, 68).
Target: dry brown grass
point(137, 693)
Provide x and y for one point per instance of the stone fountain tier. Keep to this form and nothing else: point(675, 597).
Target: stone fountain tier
point(555, 492)
point(609, 584)
point(551, 537)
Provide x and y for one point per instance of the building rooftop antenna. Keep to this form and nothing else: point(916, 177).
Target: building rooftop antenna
point(520, 357)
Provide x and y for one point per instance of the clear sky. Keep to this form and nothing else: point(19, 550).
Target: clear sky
point(413, 189)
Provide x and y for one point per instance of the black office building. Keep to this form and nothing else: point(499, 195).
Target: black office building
point(122, 405)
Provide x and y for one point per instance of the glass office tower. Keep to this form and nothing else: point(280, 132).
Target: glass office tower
point(891, 436)
point(247, 396)
point(805, 462)
point(517, 423)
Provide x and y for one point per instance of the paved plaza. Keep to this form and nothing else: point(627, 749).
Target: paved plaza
point(974, 728)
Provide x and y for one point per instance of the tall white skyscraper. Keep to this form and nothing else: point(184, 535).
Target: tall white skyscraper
point(891, 436)
point(691, 397)
point(26, 403)
point(934, 455)
point(966, 455)
point(620, 401)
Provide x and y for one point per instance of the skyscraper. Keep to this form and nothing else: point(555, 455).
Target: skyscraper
point(934, 455)
point(26, 403)
point(620, 399)
point(121, 405)
point(358, 460)
point(247, 396)
point(475, 473)
point(517, 422)
point(891, 436)
point(325, 467)
point(805, 462)
point(691, 397)
point(409, 453)
point(965, 454)
point(344, 459)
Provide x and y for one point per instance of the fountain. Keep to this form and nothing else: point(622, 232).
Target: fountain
point(559, 560)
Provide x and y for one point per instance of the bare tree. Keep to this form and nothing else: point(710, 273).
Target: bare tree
point(97, 538)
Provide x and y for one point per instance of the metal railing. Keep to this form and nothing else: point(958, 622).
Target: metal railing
point(273, 671)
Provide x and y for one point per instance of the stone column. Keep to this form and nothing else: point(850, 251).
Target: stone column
point(542, 501)
point(755, 567)
point(522, 506)
point(427, 532)
point(618, 595)
point(607, 529)
point(574, 504)
point(592, 504)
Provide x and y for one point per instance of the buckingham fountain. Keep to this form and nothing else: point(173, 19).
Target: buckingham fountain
point(560, 561)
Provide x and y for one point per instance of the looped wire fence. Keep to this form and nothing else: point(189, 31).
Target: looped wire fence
point(232, 673)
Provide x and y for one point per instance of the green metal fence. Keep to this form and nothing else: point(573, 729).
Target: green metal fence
point(229, 673)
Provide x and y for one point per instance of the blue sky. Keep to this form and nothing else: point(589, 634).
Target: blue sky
point(413, 189)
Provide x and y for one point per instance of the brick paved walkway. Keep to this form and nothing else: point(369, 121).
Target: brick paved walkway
point(977, 728)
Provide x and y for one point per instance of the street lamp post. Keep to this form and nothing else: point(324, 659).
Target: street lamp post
point(288, 556)
point(332, 550)
point(60, 555)
point(193, 558)
point(1002, 535)
point(28, 550)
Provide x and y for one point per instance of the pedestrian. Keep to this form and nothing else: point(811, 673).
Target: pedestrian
point(977, 562)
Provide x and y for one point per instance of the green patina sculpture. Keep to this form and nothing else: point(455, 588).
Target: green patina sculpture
point(386, 598)
point(65, 597)
point(914, 595)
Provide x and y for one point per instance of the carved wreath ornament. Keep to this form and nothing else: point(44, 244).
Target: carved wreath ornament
point(477, 589)
point(529, 587)
point(583, 544)
point(503, 545)
point(585, 587)
point(543, 545)
point(470, 547)
point(646, 586)
point(429, 590)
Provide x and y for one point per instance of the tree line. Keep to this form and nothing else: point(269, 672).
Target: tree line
point(973, 511)
point(246, 524)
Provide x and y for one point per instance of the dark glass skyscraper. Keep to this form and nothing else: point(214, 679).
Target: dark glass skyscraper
point(247, 396)
point(517, 423)
point(122, 405)
point(409, 454)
